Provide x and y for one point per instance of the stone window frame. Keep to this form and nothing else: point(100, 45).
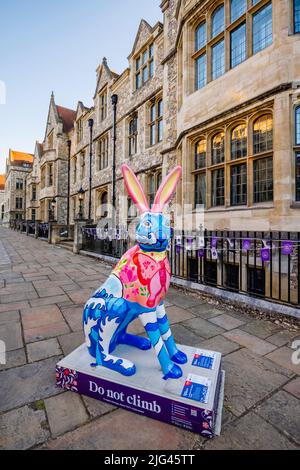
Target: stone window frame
point(103, 98)
point(293, 16)
point(82, 164)
point(34, 192)
point(227, 127)
point(157, 179)
point(50, 140)
point(154, 124)
point(19, 184)
point(296, 152)
point(79, 130)
point(50, 169)
point(19, 203)
point(99, 194)
point(74, 170)
point(141, 66)
point(132, 135)
point(103, 152)
point(43, 176)
point(204, 15)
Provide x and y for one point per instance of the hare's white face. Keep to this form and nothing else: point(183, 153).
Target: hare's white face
point(153, 232)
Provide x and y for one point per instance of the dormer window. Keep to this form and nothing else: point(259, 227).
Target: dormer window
point(144, 66)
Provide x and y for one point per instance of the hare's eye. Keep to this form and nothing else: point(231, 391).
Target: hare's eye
point(147, 224)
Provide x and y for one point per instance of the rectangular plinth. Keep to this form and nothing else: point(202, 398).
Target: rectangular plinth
point(193, 402)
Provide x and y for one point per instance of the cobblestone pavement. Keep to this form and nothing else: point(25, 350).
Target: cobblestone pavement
point(42, 291)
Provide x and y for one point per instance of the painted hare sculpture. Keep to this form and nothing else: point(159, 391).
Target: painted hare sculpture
point(136, 289)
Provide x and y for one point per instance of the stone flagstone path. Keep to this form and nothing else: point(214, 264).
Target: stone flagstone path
point(42, 292)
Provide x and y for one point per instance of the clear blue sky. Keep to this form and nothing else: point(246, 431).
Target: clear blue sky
point(57, 45)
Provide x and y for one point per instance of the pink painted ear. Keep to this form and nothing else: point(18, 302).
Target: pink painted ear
point(135, 189)
point(166, 189)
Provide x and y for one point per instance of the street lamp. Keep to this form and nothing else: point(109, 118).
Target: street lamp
point(91, 124)
point(81, 193)
point(114, 101)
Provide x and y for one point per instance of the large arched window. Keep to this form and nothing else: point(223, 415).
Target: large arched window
point(103, 200)
point(263, 134)
point(297, 125)
point(296, 15)
point(218, 148)
point(200, 36)
point(217, 21)
point(200, 154)
point(239, 142)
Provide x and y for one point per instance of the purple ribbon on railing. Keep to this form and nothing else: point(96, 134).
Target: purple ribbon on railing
point(287, 247)
point(178, 249)
point(201, 253)
point(214, 242)
point(265, 254)
point(246, 244)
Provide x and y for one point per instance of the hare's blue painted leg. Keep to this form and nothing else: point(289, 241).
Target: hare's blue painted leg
point(177, 356)
point(149, 321)
point(136, 341)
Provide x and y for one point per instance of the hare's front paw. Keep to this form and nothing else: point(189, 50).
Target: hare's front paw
point(174, 373)
point(180, 358)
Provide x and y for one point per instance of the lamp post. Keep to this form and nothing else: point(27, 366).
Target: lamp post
point(114, 100)
point(81, 193)
point(91, 124)
point(69, 182)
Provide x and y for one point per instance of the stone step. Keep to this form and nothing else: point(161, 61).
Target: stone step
point(67, 245)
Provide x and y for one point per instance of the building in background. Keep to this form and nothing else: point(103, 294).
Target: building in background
point(18, 167)
point(2, 193)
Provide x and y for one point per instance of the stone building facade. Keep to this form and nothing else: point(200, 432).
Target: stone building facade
point(18, 167)
point(2, 196)
point(215, 88)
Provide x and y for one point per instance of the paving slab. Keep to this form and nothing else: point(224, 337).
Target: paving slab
point(282, 411)
point(65, 412)
point(203, 328)
point(23, 428)
point(118, 431)
point(251, 342)
point(283, 357)
point(28, 383)
point(261, 328)
point(226, 321)
point(43, 349)
point(11, 334)
point(14, 358)
point(71, 341)
point(49, 301)
point(282, 337)
point(220, 344)
point(9, 317)
point(205, 311)
point(97, 408)
point(249, 379)
point(251, 432)
point(293, 387)
point(183, 335)
point(73, 317)
point(80, 297)
point(182, 299)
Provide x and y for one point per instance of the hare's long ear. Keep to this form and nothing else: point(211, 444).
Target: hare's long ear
point(166, 189)
point(135, 189)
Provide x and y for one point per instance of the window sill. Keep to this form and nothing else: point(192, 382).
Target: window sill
point(295, 205)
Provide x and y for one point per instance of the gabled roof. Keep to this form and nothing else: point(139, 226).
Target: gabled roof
point(2, 182)
point(16, 157)
point(103, 67)
point(67, 116)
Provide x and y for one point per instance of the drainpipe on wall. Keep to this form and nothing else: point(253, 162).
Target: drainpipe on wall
point(69, 182)
point(91, 124)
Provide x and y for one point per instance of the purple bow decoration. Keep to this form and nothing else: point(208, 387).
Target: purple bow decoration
point(265, 254)
point(201, 253)
point(246, 244)
point(287, 248)
point(214, 242)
